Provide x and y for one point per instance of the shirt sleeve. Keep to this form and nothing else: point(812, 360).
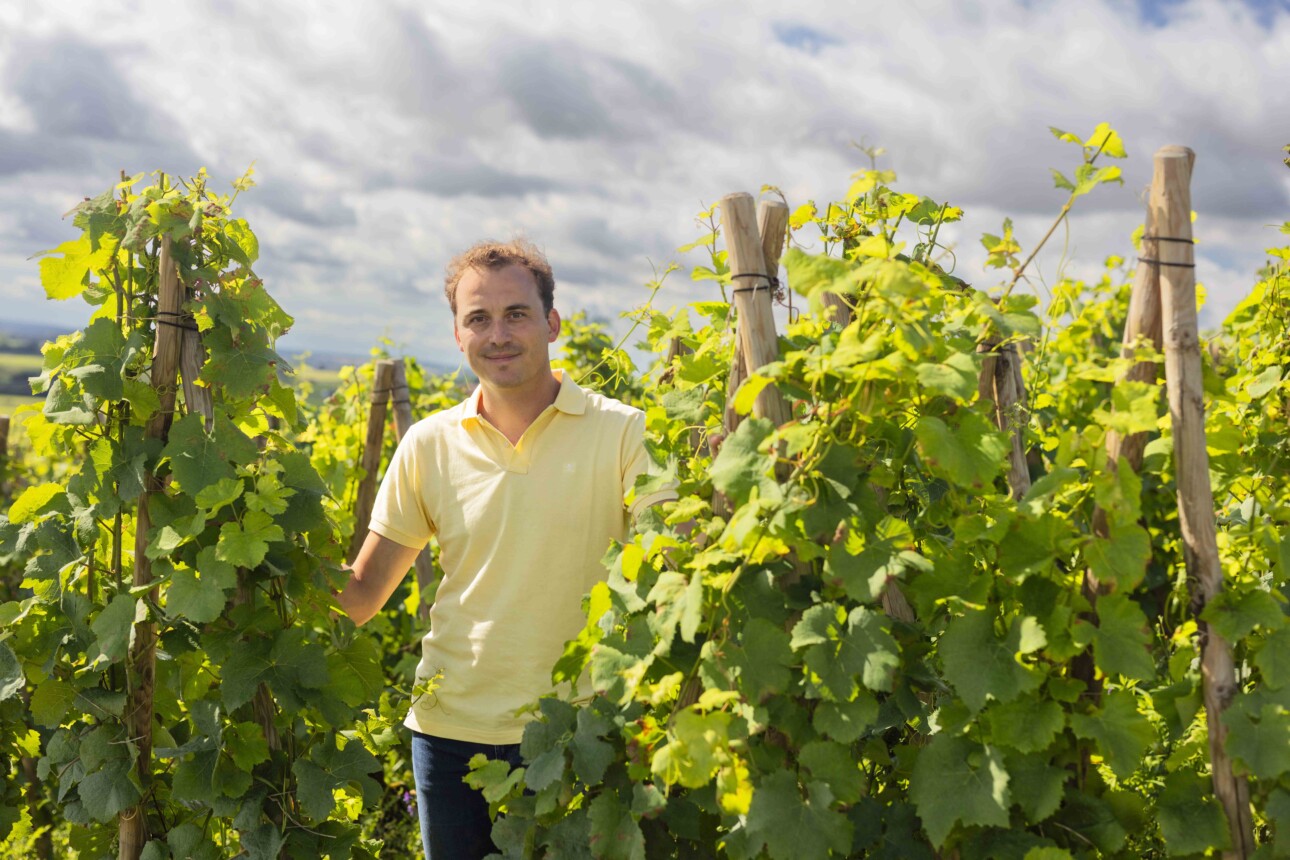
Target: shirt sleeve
point(636, 462)
point(399, 512)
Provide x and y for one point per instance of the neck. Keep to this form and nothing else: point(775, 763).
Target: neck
point(512, 410)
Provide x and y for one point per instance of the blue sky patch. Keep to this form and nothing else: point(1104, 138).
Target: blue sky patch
point(803, 38)
point(1159, 12)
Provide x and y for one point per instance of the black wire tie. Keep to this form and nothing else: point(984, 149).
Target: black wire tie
point(178, 325)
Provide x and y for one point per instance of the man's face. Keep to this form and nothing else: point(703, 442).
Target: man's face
point(502, 329)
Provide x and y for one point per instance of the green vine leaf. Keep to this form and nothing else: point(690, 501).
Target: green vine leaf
point(614, 835)
point(790, 826)
point(199, 594)
point(114, 626)
point(1122, 557)
point(1122, 733)
point(983, 667)
point(957, 781)
point(1259, 739)
point(1122, 643)
point(970, 455)
point(841, 647)
point(246, 543)
point(1191, 821)
point(329, 768)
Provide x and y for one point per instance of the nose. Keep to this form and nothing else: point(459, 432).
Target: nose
point(499, 333)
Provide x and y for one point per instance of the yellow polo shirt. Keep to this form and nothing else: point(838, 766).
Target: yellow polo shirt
point(522, 529)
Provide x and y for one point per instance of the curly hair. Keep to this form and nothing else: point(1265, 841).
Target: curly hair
point(498, 255)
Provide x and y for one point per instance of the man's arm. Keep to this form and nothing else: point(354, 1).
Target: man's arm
point(380, 566)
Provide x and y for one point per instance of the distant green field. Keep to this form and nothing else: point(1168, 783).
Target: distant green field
point(11, 362)
point(10, 402)
point(316, 375)
point(15, 368)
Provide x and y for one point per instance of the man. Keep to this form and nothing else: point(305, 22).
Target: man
point(523, 483)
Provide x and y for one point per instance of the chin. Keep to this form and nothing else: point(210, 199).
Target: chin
point(499, 380)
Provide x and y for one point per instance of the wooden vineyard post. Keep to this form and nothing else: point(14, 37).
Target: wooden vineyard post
point(772, 224)
point(753, 293)
point(371, 458)
point(841, 310)
point(1171, 211)
point(4, 452)
point(198, 400)
point(400, 399)
point(402, 403)
point(191, 358)
point(1143, 322)
point(1001, 383)
point(141, 668)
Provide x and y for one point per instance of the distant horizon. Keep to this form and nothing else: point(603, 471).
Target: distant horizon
point(30, 329)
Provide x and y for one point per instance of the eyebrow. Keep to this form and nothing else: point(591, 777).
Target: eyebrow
point(522, 306)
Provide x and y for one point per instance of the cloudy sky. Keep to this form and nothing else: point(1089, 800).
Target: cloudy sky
point(387, 135)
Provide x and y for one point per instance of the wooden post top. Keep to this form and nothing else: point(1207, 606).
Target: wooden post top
point(1175, 150)
point(752, 296)
point(1169, 237)
point(772, 224)
point(382, 381)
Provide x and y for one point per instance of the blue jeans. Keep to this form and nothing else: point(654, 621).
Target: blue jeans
point(454, 816)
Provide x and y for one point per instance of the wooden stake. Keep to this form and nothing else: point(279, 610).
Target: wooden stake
point(400, 399)
point(772, 226)
point(1171, 213)
point(1002, 383)
point(165, 359)
point(192, 357)
point(1142, 322)
point(1010, 406)
point(141, 668)
point(399, 396)
point(4, 452)
point(371, 458)
point(841, 310)
point(753, 299)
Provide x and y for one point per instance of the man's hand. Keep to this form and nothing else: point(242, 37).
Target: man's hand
point(380, 566)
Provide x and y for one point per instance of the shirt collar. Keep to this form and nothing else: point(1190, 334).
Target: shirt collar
point(571, 399)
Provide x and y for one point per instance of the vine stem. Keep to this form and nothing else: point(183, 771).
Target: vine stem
point(656, 285)
point(1020, 270)
point(1061, 216)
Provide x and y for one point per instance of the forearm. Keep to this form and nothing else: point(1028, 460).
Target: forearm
point(359, 599)
point(380, 566)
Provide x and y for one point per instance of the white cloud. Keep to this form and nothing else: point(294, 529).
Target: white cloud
point(388, 135)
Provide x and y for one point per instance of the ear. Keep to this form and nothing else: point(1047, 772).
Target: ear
point(553, 321)
point(456, 335)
